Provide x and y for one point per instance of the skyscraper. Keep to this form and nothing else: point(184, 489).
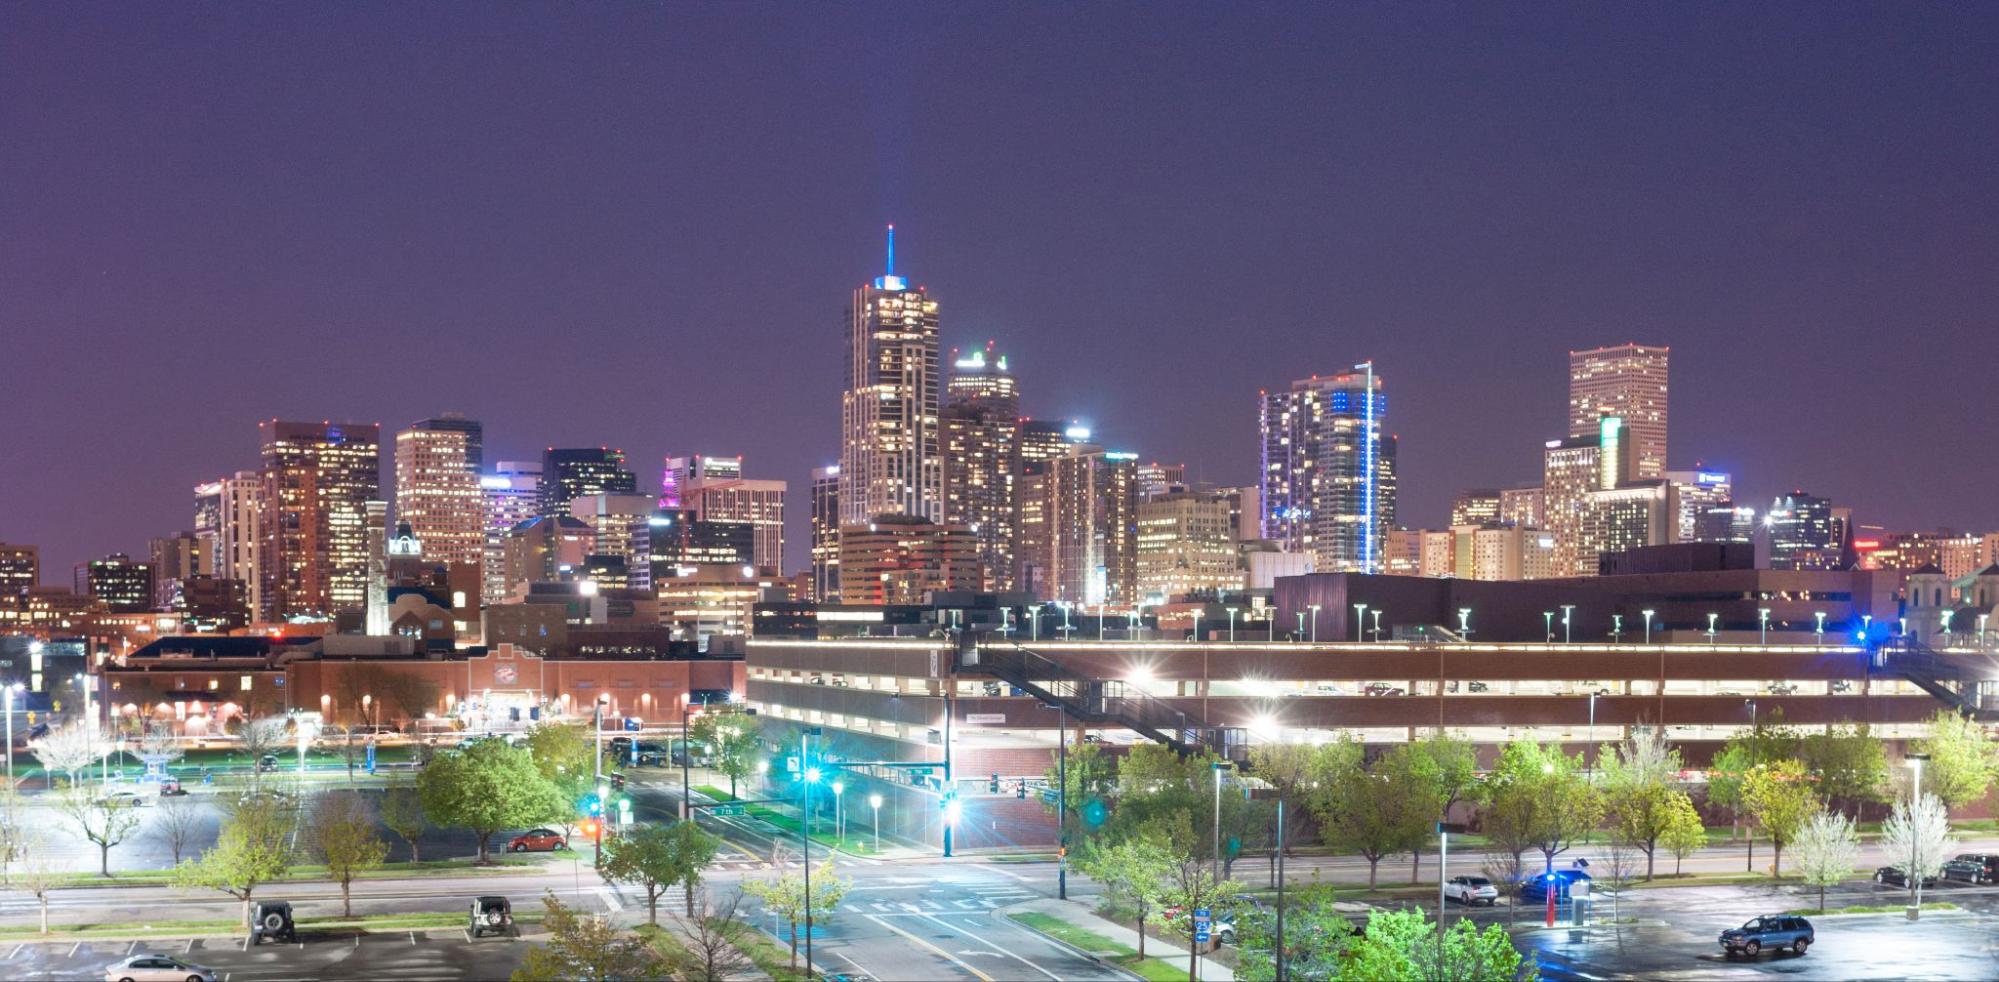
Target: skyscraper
point(1571, 469)
point(900, 559)
point(890, 455)
point(227, 526)
point(116, 581)
point(1475, 507)
point(313, 551)
point(20, 568)
point(1092, 525)
point(1699, 492)
point(1187, 547)
point(1328, 469)
point(569, 473)
point(714, 489)
point(826, 534)
point(1801, 532)
point(981, 457)
point(1627, 381)
point(176, 560)
point(512, 495)
point(437, 488)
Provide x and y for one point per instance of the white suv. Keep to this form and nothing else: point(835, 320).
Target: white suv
point(1471, 891)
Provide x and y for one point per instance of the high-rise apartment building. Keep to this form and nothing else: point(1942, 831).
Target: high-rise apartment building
point(826, 534)
point(891, 460)
point(176, 559)
point(122, 585)
point(681, 539)
point(511, 495)
point(901, 559)
point(1526, 507)
point(1155, 479)
point(982, 459)
point(1092, 506)
point(1571, 469)
point(437, 488)
point(1475, 507)
point(1504, 552)
point(312, 557)
point(1187, 547)
point(1328, 469)
point(1627, 381)
point(1698, 492)
point(618, 524)
point(1801, 532)
point(227, 531)
point(1628, 516)
point(714, 488)
point(568, 473)
point(1044, 440)
point(20, 568)
point(1420, 552)
point(208, 526)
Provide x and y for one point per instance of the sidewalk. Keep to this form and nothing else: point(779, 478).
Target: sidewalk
point(1078, 913)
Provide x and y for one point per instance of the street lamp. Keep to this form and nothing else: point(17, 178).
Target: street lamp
point(1711, 618)
point(763, 772)
point(1567, 611)
point(9, 697)
point(1648, 624)
point(1197, 626)
point(875, 802)
point(1915, 796)
point(1315, 622)
point(1065, 619)
point(1763, 625)
point(1616, 628)
point(1034, 611)
point(1866, 627)
point(1359, 619)
point(1232, 611)
point(1592, 733)
point(1548, 623)
point(811, 777)
point(1300, 636)
point(1751, 858)
point(1818, 631)
point(1218, 767)
point(1377, 624)
point(1464, 623)
point(839, 810)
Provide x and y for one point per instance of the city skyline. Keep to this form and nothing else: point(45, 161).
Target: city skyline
point(1781, 270)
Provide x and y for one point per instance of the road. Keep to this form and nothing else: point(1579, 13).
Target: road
point(445, 956)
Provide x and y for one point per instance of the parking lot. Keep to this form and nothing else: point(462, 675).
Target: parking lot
point(424, 954)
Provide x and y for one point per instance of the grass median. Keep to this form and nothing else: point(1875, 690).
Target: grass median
point(427, 869)
point(1121, 955)
point(859, 845)
point(365, 924)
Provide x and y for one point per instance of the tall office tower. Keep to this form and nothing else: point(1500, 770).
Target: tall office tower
point(1627, 381)
point(116, 581)
point(1499, 551)
point(1475, 507)
point(20, 568)
point(1526, 507)
point(437, 488)
point(375, 616)
point(1698, 492)
point(981, 457)
point(679, 539)
point(312, 555)
point(511, 495)
point(1631, 515)
point(1187, 547)
point(1092, 524)
point(890, 454)
point(176, 560)
point(715, 489)
point(1242, 511)
point(1571, 469)
point(901, 559)
point(1043, 440)
point(208, 527)
point(1725, 523)
point(1801, 532)
point(1328, 469)
point(826, 534)
point(545, 550)
point(618, 524)
point(228, 516)
point(1842, 536)
point(1155, 479)
point(569, 473)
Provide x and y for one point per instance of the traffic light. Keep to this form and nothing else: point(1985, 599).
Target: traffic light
point(1020, 791)
point(992, 785)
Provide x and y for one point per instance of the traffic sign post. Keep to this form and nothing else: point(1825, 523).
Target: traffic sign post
point(1201, 925)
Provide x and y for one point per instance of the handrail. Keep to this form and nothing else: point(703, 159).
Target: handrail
point(1087, 695)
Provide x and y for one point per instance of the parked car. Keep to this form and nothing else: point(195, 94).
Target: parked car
point(1893, 877)
point(539, 840)
point(1759, 933)
point(1381, 689)
point(1562, 882)
point(272, 919)
point(492, 915)
point(1973, 867)
point(170, 788)
point(268, 762)
point(1095, 738)
point(157, 968)
point(1471, 891)
point(123, 798)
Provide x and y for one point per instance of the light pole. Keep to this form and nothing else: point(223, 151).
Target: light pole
point(875, 802)
point(1648, 612)
point(597, 727)
point(763, 773)
point(1616, 628)
point(1301, 628)
point(839, 810)
point(1568, 637)
point(1034, 611)
point(1592, 733)
point(1218, 767)
point(1359, 620)
point(1376, 614)
point(1232, 612)
point(1548, 623)
point(1464, 623)
point(808, 777)
point(1197, 626)
point(1750, 865)
point(1763, 625)
point(1065, 620)
point(1548, 771)
point(1915, 796)
point(686, 760)
point(1711, 618)
point(1818, 631)
point(1315, 622)
point(1444, 830)
point(9, 696)
point(1866, 627)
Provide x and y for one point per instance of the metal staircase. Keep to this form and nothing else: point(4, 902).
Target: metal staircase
point(1957, 679)
point(1103, 702)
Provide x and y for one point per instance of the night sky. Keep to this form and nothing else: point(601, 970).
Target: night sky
point(637, 225)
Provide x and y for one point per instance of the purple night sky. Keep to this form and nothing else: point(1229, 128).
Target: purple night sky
point(637, 225)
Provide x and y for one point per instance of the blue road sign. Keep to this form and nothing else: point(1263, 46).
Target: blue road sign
point(1201, 923)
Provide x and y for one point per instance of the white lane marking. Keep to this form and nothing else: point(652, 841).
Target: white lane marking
point(72, 950)
point(851, 961)
point(968, 933)
point(995, 867)
point(610, 900)
point(953, 959)
point(18, 947)
point(130, 947)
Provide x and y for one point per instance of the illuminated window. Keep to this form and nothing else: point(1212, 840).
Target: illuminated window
point(245, 685)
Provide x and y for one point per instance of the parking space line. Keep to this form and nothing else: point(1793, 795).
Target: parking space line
point(412, 937)
point(190, 946)
point(73, 949)
point(130, 947)
point(16, 951)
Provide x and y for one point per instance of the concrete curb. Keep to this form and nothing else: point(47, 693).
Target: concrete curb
point(1089, 956)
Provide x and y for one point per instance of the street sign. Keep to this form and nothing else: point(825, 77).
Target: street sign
point(726, 810)
point(1201, 923)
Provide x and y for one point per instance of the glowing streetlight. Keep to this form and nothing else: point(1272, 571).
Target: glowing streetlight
point(1762, 625)
point(839, 811)
point(1648, 624)
point(1567, 610)
point(1464, 623)
point(1818, 631)
point(875, 802)
point(1711, 618)
point(1548, 625)
point(1232, 613)
point(1315, 622)
point(1359, 621)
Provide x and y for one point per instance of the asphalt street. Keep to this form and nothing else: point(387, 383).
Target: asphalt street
point(441, 955)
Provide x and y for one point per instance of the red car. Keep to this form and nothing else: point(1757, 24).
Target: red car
point(539, 840)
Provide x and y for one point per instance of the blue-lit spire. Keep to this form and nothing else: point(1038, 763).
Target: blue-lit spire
point(888, 280)
point(891, 250)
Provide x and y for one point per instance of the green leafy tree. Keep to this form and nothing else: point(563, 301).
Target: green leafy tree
point(1316, 935)
point(1376, 811)
point(254, 848)
point(1683, 834)
point(658, 858)
point(487, 787)
point(1847, 764)
point(402, 812)
point(1191, 886)
point(1536, 797)
point(1288, 769)
point(586, 948)
point(1827, 847)
point(1639, 792)
point(1092, 781)
point(784, 895)
point(566, 755)
point(731, 739)
point(41, 873)
point(1135, 875)
point(1962, 759)
point(1448, 766)
point(341, 833)
point(106, 822)
point(1781, 797)
point(1155, 784)
point(1403, 945)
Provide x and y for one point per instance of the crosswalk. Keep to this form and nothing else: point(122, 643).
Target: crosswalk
point(983, 898)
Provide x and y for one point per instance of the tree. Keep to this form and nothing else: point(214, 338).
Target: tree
point(1917, 838)
point(176, 822)
point(1536, 797)
point(1683, 834)
point(1827, 848)
point(565, 754)
point(1155, 784)
point(1133, 874)
point(586, 948)
point(784, 895)
point(1403, 945)
point(342, 834)
point(1316, 935)
point(69, 748)
point(731, 739)
point(487, 787)
point(658, 858)
point(41, 873)
point(1847, 763)
point(1288, 769)
point(260, 737)
point(253, 848)
point(1092, 778)
point(402, 812)
point(1767, 742)
point(1448, 766)
point(1780, 795)
point(106, 822)
point(1639, 796)
point(1616, 870)
point(1385, 809)
point(158, 746)
point(1191, 887)
point(1962, 759)
point(15, 832)
point(713, 936)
